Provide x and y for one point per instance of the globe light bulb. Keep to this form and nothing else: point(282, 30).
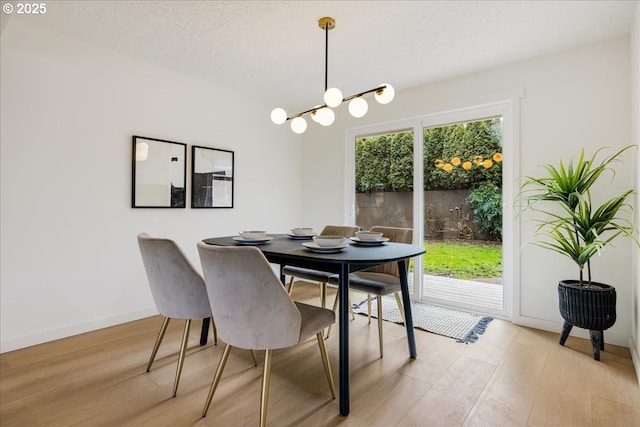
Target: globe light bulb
point(358, 107)
point(299, 125)
point(318, 117)
point(333, 97)
point(314, 114)
point(386, 95)
point(278, 116)
point(326, 116)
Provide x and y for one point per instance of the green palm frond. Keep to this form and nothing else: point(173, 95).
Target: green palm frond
point(567, 221)
point(565, 183)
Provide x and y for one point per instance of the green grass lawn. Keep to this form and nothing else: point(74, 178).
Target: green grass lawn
point(463, 259)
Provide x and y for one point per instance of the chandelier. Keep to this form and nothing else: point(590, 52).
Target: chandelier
point(323, 114)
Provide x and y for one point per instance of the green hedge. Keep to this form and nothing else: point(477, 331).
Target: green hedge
point(385, 162)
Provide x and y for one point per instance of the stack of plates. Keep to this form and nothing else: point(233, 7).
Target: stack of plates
point(301, 236)
point(244, 241)
point(314, 247)
point(360, 242)
point(301, 233)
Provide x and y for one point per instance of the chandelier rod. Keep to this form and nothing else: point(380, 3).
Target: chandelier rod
point(348, 98)
point(326, 56)
point(375, 89)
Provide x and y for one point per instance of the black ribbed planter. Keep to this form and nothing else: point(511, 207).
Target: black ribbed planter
point(592, 308)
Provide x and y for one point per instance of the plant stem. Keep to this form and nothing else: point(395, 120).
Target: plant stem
point(580, 266)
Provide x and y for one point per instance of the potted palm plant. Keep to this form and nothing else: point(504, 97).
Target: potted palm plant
point(570, 223)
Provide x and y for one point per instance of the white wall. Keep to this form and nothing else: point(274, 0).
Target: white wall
point(635, 139)
point(578, 98)
point(69, 256)
point(69, 260)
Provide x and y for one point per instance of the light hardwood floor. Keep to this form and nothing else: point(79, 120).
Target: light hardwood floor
point(513, 376)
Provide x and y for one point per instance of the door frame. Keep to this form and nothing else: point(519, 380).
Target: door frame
point(509, 109)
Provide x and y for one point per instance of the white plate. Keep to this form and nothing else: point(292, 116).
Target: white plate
point(301, 236)
point(313, 246)
point(360, 242)
point(244, 241)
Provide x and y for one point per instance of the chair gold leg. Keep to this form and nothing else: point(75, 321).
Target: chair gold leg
point(327, 366)
point(323, 294)
point(335, 303)
point(379, 298)
point(335, 308)
point(264, 394)
point(183, 351)
point(253, 356)
point(159, 338)
point(216, 378)
point(215, 332)
point(399, 302)
point(290, 287)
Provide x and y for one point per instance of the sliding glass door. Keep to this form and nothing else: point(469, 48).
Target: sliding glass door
point(384, 180)
point(463, 214)
point(449, 177)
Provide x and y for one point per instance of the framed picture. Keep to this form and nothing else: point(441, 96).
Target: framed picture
point(159, 173)
point(211, 178)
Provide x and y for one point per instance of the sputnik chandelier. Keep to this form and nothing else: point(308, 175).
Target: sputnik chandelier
point(323, 114)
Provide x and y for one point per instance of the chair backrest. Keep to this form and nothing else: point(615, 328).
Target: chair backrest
point(177, 288)
point(395, 234)
point(251, 307)
point(339, 230)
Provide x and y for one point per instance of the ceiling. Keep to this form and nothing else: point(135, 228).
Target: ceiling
point(275, 49)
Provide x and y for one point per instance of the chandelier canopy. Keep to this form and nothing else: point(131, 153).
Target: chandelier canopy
point(323, 114)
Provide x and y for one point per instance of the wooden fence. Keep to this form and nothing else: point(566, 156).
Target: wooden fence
point(447, 213)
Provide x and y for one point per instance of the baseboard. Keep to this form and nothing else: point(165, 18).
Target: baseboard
point(546, 325)
point(635, 357)
point(17, 343)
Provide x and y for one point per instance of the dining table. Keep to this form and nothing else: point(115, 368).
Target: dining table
point(289, 250)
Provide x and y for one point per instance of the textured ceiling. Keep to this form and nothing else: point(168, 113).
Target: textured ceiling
point(276, 49)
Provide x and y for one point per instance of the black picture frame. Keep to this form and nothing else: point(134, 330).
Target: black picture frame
point(212, 177)
point(159, 173)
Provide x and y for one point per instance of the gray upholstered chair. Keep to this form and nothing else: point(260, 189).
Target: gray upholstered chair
point(321, 277)
point(178, 291)
point(380, 280)
point(254, 311)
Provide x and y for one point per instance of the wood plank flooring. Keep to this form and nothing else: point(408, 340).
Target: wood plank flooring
point(513, 376)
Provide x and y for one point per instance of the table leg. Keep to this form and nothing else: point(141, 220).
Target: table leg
point(406, 302)
point(343, 321)
point(204, 332)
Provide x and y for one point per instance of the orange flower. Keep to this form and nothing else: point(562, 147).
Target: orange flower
point(447, 167)
point(477, 160)
point(466, 166)
point(455, 161)
point(497, 157)
point(487, 164)
point(439, 163)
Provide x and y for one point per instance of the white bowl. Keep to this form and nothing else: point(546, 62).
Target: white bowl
point(302, 231)
point(368, 235)
point(253, 234)
point(328, 241)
